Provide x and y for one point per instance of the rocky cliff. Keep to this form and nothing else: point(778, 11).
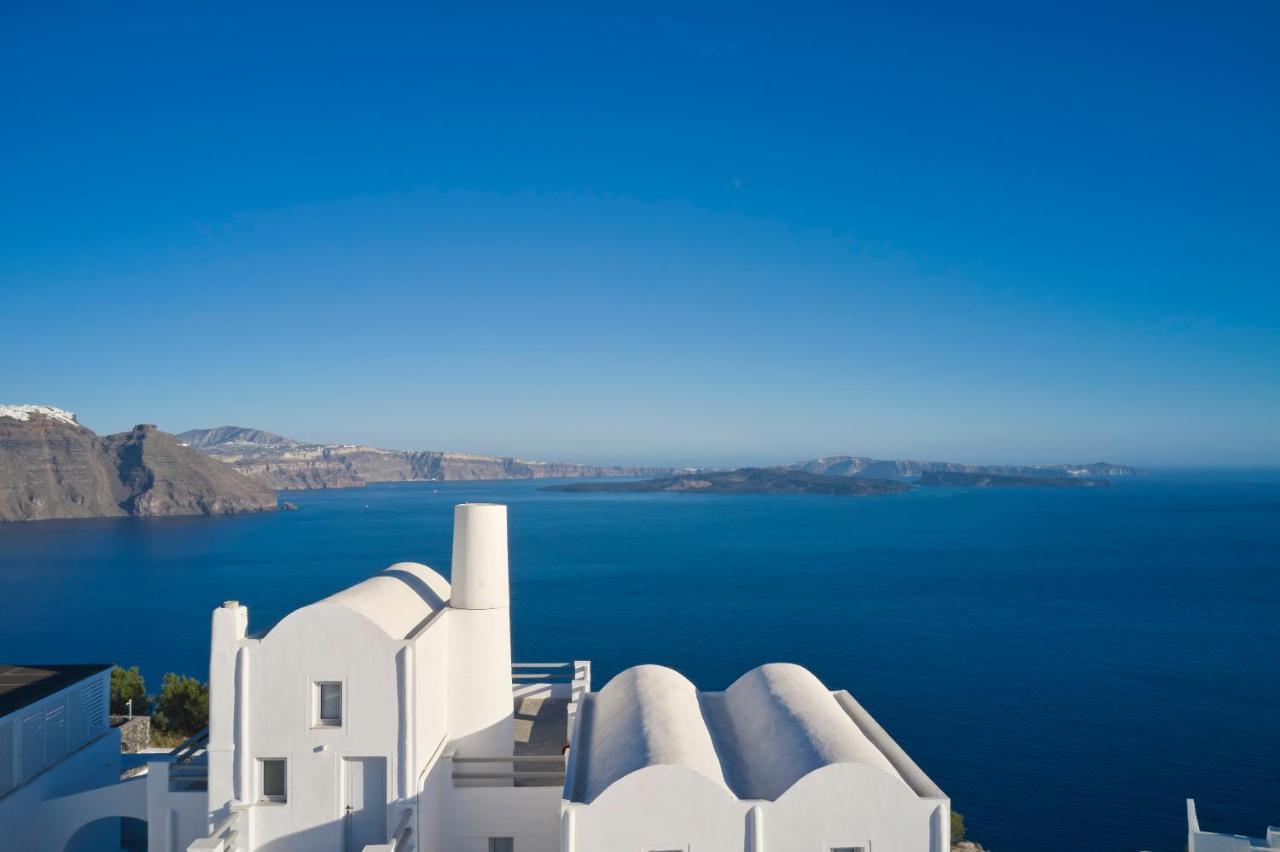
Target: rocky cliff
point(53, 467)
point(285, 463)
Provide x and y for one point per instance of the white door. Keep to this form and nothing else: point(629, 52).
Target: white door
point(364, 801)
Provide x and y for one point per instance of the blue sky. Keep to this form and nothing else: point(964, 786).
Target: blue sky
point(684, 234)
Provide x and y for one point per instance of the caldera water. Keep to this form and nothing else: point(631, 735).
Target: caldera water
point(1068, 664)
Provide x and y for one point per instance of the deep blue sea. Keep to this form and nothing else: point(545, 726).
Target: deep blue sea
point(1069, 665)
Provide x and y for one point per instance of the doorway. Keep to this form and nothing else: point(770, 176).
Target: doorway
point(364, 794)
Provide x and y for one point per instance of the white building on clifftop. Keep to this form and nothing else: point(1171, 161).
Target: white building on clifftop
point(390, 716)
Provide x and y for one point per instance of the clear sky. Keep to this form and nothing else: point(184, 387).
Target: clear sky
point(692, 235)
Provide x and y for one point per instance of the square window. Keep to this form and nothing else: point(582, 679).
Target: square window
point(328, 700)
point(502, 844)
point(272, 779)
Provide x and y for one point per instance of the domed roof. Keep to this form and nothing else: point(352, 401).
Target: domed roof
point(772, 727)
point(398, 599)
point(787, 707)
point(647, 716)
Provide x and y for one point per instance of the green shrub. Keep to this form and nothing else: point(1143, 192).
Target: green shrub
point(183, 705)
point(127, 684)
point(957, 827)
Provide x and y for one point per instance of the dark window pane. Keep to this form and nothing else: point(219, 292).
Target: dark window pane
point(273, 779)
point(331, 703)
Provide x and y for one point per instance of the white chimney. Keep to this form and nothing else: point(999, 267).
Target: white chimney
point(479, 577)
point(481, 721)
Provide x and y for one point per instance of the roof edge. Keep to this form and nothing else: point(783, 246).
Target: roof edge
point(920, 783)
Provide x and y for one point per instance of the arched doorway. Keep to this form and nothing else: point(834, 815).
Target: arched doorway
point(113, 833)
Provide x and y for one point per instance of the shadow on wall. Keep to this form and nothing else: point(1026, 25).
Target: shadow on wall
point(126, 833)
point(322, 836)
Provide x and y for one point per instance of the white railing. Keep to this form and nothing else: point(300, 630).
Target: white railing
point(225, 836)
point(580, 686)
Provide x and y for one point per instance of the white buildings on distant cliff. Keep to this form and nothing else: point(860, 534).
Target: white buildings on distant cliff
point(389, 716)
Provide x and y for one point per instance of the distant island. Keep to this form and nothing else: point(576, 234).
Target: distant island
point(53, 467)
point(285, 463)
point(792, 480)
point(994, 480)
point(747, 480)
point(908, 469)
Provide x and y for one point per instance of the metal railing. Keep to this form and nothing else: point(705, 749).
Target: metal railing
point(550, 767)
point(189, 769)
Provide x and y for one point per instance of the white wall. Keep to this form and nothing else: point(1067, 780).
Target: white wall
point(471, 815)
point(46, 812)
point(666, 807)
point(854, 804)
point(672, 807)
point(431, 705)
point(320, 643)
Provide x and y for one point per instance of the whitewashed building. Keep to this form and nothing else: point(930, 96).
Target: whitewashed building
point(390, 716)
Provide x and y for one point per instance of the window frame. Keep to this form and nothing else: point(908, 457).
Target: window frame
point(263, 797)
point(318, 723)
point(491, 847)
point(855, 845)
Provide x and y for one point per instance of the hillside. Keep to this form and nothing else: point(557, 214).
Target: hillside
point(53, 467)
point(285, 463)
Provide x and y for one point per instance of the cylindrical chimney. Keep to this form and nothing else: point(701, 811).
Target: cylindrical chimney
point(479, 577)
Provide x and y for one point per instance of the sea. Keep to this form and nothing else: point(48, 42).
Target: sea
point(1069, 665)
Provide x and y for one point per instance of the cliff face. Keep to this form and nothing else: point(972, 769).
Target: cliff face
point(52, 467)
point(285, 463)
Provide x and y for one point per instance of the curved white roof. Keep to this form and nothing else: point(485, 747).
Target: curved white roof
point(773, 726)
point(787, 707)
point(398, 599)
point(646, 716)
